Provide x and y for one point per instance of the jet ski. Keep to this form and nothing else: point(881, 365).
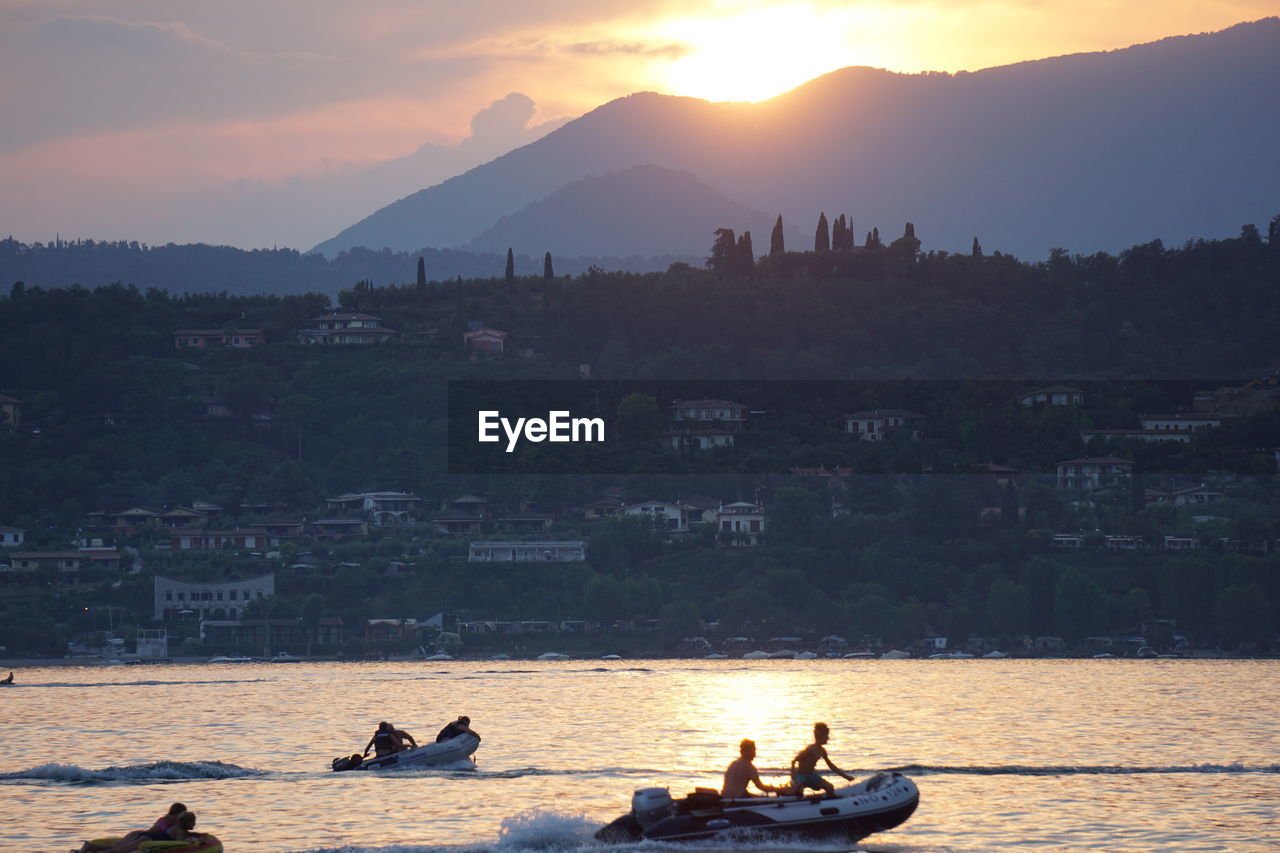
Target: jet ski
point(856, 811)
point(457, 748)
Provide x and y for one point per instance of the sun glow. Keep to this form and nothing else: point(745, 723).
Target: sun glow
point(763, 52)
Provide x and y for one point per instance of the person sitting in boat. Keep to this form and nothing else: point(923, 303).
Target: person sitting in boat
point(804, 765)
point(8, 680)
point(742, 771)
point(159, 831)
point(462, 725)
point(388, 740)
point(401, 736)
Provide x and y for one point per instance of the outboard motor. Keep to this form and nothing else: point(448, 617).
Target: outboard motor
point(346, 763)
point(650, 805)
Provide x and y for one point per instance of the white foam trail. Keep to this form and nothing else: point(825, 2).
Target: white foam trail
point(160, 770)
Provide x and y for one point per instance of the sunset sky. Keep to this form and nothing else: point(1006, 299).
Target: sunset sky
point(263, 122)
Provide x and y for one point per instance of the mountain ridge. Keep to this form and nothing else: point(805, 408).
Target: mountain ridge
point(670, 208)
point(1171, 134)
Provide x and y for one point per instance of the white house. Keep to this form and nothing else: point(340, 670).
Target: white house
point(485, 340)
point(1181, 422)
point(344, 328)
point(383, 509)
point(707, 411)
point(740, 523)
point(1196, 495)
point(1054, 395)
point(672, 517)
point(875, 425)
point(702, 438)
point(1093, 472)
point(172, 597)
point(528, 551)
point(12, 537)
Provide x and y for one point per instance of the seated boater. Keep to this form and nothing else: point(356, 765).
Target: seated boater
point(743, 771)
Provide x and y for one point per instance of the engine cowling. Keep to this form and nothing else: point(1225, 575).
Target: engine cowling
point(650, 805)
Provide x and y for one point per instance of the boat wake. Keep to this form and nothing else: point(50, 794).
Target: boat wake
point(545, 831)
point(181, 771)
point(151, 683)
point(1082, 770)
point(160, 771)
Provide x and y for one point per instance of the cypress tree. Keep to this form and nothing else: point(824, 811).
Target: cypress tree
point(908, 244)
point(776, 244)
point(723, 252)
point(547, 272)
point(422, 273)
point(821, 237)
point(846, 234)
point(744, 255)
point(511, 268)
point(977, 248)
point(837, 233)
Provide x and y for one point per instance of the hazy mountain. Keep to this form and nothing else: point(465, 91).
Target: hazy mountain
point(644, 210)
point(1095, 151)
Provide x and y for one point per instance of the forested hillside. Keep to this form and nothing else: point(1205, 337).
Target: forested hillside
point(113, 415)
point(200, 268)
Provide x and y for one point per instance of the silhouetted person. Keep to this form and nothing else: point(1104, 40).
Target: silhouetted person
point(804, 765)
point(742, 771)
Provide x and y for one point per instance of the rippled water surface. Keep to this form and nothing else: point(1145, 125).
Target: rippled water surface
point(1009, 755)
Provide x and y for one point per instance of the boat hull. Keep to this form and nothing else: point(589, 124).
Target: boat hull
point(459, 748)
point(871, 806)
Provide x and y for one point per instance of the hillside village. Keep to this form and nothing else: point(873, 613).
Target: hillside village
point(914, 485)
point(260, 553)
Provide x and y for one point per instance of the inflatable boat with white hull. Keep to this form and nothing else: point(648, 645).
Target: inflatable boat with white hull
point(856, 811)
point(443, 752)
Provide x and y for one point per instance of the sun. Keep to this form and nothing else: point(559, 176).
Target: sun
point(755, 54)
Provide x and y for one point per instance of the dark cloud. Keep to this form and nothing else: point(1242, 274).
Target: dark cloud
point(612, 47)
point(97, 33)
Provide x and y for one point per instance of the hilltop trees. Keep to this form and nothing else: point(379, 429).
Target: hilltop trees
point(744, 255)
point(777, 245)
point(842, 234)
point(722, 252)
point(821, 237)
point(730, 257)
point(908, 245)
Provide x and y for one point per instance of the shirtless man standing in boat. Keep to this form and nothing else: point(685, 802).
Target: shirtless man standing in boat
point(742, 771)
point(804, 765)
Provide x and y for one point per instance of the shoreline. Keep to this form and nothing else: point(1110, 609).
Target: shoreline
point(17, 664)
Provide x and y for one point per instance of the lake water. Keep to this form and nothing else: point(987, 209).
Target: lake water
point(1107, 755)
